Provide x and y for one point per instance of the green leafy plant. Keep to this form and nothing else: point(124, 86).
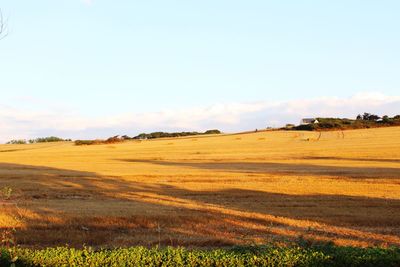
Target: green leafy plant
point(270, 255)
point(7, 241)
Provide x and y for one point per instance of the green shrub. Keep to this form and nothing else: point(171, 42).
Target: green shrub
point(86, 142)
point(17, 142)
point(212, 132)
point(83, 142)
point(305, 127)
point(47, 139)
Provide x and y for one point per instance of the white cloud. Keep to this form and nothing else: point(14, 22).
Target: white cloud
point(87, 2)
point(28, 123)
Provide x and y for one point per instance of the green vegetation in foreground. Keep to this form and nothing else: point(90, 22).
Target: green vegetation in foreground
point(327, 255)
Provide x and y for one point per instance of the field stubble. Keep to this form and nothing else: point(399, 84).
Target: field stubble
point(207, 192)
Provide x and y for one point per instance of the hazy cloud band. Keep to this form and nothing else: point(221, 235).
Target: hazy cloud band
point(18, 123)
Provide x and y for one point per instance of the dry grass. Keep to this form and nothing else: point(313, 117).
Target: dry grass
point(270, 186)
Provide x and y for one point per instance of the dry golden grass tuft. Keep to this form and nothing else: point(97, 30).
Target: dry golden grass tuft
point(216, 191)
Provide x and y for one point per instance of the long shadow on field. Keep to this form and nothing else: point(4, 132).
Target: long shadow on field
point(56, 206)
point(282, 168)
point(351, 159)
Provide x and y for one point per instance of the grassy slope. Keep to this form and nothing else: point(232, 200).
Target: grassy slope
point(209, 191)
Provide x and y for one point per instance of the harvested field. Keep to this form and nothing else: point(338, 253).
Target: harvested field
point(208, 191)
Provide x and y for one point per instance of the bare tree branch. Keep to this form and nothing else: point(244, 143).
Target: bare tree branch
point(3, 26)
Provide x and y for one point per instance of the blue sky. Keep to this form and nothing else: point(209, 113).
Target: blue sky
point(102, 67)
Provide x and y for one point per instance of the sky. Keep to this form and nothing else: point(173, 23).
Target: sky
point(94, 68)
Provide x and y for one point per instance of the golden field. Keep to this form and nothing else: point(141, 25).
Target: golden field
point(273, 186)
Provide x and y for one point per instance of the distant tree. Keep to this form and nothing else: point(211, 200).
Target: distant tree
point(374, 117)
point(359, 117)
point(370, 117)
point(365, 116)
point(142, 136)
point(397, 117)
point(385, 119)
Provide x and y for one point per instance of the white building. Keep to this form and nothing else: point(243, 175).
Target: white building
point(308, 121)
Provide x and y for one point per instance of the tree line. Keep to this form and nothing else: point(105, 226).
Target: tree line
point(37, 140)
point(366, 120)
point(142, 136)
point(156, 135)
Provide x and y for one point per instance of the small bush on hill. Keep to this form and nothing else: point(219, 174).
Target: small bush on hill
point(111, 140)
point(212, 132)
point(85, 142)
point(17, 142)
